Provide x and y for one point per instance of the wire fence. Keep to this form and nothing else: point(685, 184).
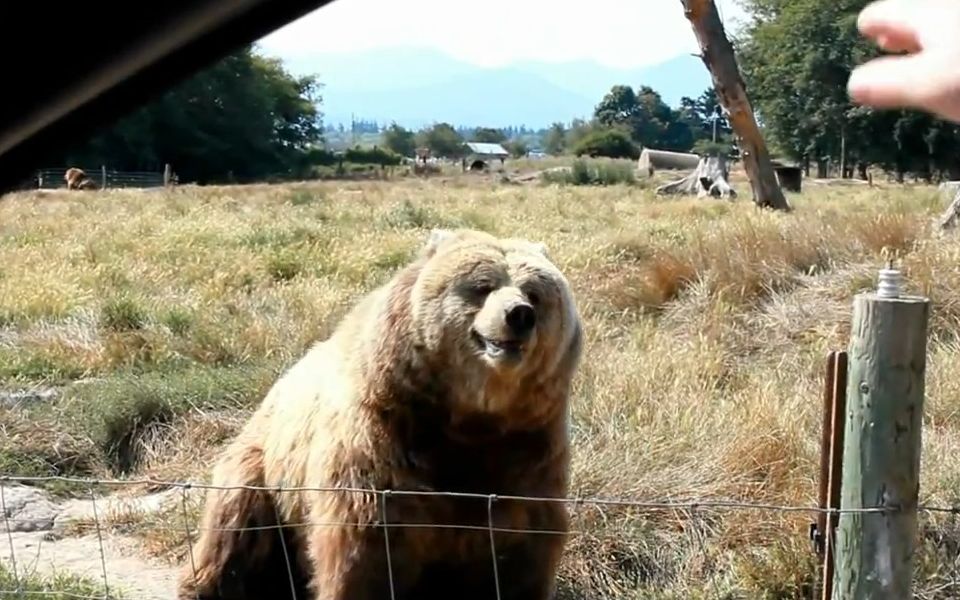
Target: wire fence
point(104, 178)
point(179, 519)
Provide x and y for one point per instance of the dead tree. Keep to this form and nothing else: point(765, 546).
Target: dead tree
point(716, 51)
point(710, 178)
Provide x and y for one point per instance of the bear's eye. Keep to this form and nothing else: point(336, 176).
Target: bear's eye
point(534, 298)
point(481, 289)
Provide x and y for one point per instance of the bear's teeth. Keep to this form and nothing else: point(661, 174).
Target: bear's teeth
point(496, 348)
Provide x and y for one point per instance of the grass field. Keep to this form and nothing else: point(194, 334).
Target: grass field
point(162, 317)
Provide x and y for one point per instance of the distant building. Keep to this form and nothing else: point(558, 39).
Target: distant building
point(481, 154)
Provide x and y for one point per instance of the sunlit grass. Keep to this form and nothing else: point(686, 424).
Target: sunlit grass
point(163, 316)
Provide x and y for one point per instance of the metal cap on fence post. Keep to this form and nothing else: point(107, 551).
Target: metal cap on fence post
point(881, 456)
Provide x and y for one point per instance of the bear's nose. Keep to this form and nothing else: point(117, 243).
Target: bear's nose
point(520, 319)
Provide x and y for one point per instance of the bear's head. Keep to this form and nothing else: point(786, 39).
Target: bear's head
point(495, 317)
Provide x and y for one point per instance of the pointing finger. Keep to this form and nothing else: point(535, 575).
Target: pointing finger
point(908, 82)
point(890, 23)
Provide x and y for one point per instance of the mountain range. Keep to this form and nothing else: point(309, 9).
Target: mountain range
point(416, 87)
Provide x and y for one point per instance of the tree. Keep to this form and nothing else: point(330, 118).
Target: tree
point(555, 140)
point(242, 119)
point(619, 106)
point(489, 135)
point(719, 58)
point(579, 129)
point(517, 148)
point(798, 57)
point(646, 116)
point(705, 116)
point(612, 143)
point(443, 140)
point(400, 140)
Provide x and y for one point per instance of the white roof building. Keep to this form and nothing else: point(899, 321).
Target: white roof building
point(480, 149)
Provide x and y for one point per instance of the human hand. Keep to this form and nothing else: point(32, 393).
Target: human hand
point(927, 76)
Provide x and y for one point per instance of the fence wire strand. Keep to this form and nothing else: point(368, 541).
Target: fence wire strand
point(386, 540)
point(283, 546)
point(666, 504)
point(691, 510)
point(6, 525)
point(103, 557)
point(493, 545)
point(189, 541)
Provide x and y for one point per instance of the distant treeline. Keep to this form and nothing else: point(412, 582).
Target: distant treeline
point(243, 119)
point(246, 118)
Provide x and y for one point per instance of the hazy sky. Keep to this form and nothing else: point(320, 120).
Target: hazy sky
point(620, 33)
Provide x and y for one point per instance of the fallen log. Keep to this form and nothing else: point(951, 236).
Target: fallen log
point(652, 161)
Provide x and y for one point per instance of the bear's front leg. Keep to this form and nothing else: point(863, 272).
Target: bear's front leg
point(238, 553)
point(527, 570)
point(350, 563)
point(528, 562)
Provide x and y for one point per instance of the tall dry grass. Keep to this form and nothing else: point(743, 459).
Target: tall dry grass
point(163, 316)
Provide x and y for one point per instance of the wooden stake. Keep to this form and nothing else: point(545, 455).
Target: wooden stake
point(881, 459)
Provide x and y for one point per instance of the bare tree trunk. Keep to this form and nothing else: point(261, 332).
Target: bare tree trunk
point(843, 154)
point(717, 54)
point(949, 218)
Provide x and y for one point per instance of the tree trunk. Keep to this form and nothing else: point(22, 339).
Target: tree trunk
point(718, 56)
point(843, 154)
point(950, 217)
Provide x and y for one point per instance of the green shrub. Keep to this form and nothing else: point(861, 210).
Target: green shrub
point(598, 172)
point(611, 143)
point(122, 314)
point(372, 156)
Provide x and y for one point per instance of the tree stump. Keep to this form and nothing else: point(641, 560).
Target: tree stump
point(950, 217)
point(710, 178)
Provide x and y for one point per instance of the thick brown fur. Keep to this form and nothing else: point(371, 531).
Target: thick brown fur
point(407, 396)
point(77, 180)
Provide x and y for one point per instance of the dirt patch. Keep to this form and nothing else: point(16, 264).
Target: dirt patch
point(33, 543)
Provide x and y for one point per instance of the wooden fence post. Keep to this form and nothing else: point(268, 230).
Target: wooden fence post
point(881, 457)
point(103, 177)
point(167, 174)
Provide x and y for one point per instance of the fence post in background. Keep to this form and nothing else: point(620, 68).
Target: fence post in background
point(167, 173)
point(881, 456)
point(103, 177)
point(831, 467)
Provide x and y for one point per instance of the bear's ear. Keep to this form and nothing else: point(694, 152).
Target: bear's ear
point(437, 237)
point(535, 247)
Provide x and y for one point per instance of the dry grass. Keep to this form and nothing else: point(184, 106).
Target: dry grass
point(707, 328)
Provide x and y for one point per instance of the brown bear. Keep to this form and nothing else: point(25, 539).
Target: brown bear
point(440, 391)
point(77, 180)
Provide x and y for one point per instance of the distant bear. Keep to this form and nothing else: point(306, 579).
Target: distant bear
point(77, 180)
point(452, 377)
